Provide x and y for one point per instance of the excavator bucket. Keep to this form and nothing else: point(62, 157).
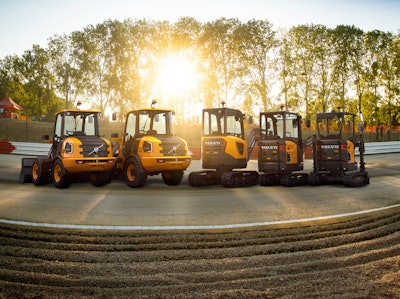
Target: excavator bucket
point(25, 175)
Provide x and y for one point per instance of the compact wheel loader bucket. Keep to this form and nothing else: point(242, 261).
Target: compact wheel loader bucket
point(25, 175)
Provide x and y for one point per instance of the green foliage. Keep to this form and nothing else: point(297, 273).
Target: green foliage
point(115, 66)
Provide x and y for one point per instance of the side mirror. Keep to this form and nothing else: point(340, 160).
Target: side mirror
point(46, 139)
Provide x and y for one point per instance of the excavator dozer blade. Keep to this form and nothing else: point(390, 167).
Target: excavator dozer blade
point(25, 175)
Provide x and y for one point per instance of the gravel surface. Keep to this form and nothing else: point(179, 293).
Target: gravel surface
point(357, 257)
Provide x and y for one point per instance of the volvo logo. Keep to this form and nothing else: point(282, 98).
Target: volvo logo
point(269, 147)
point(174, 148)
point(213, 142)
point(329, 146)
point(96, 150)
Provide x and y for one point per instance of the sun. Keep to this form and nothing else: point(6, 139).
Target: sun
point(177, 75)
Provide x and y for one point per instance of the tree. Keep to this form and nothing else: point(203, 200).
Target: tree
point(33, 73)
point(10, 85)
point(348, 53)
point(63, 61)
point(219, 60)
point(300, 39)
point(286, 70)
point(255, 41)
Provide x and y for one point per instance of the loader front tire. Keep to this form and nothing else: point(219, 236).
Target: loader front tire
point(40, 176)
point(61, 177)
point(135, 174)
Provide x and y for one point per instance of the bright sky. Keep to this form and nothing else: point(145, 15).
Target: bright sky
point(28, 22)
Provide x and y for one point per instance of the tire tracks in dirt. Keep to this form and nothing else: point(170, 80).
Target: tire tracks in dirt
point(354, 257)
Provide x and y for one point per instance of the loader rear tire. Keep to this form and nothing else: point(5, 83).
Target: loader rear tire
point(99, 178)
point(173, 177)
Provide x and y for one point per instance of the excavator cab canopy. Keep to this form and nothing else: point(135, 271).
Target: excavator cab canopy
point(223, 122)
point(280, 125)
point(336, 125)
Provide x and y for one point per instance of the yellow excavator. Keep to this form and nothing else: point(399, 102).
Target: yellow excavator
point(280, 157)
point(224, 150)
point(148, 147)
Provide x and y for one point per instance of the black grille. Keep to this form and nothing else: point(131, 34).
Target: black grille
point(93, 146)
point(173, 147)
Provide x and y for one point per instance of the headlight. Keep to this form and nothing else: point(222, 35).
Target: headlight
point(69, 148)
point(147, 147)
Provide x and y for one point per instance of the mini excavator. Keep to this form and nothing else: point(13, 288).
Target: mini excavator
point(334, 150)
point(224, 149)
point(280, 157)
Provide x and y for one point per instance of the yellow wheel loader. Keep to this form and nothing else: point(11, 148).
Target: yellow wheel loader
point(148, 147)
point(78, 153)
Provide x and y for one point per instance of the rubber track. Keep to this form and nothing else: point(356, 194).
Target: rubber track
point(357, 257)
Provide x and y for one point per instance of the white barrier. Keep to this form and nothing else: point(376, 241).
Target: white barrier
point(24, 148)
point(372, 148)
point(30, 149)
point(35, 149)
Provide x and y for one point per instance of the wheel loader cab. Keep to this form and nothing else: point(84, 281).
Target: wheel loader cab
point(223, 144)
point(149, 148)
point(74, 124)
point(141, 126)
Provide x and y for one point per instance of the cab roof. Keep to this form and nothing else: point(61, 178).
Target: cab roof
point(77, 111)
point(150, 109)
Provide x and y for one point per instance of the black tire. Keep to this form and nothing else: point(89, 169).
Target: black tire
point(39, 175)
point(99, 179)
point(61, 177)
point(172, 178)
point(135, 174)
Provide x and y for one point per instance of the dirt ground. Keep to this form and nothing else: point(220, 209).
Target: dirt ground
point(357, 257)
